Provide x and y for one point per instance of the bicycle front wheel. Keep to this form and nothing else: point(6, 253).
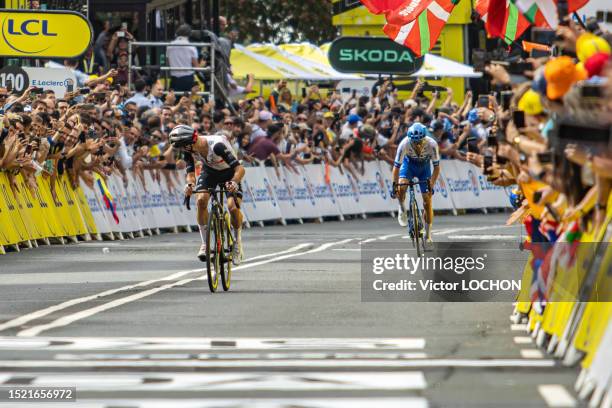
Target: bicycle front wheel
point(228, 244)
point(416, 226)
point(213, 253)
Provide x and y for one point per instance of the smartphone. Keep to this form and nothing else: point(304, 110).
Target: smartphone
point(505, 98)
point(354, 93)
point(518, 117)
point(591, 91)
point(492, 140)
point(501, 160)
point(473, 148)
point(487, 162)
point(120, 34)
point(483, 101)
point(84, 91)
point(99, 95)
point(535, 53)
point(543, 35)
point(28, 149)
point(519, 68)
point(304, 93)
point(545, 158)
point(36, 91)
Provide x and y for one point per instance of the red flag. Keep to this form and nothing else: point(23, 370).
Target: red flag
point(496, 18)
point(515, 23)
point(398, 12)
point(382, 6)
point(421, 34)
point(407, 12)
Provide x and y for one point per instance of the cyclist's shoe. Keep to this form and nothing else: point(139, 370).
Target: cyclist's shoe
point(402, 217)
point(237, 253)
point(202, 253)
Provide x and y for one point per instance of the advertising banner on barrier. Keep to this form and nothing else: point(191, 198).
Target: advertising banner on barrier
point(161, 212)
point(469, 187)
point(97, 209)
point(285, 193)
point(442, 198)
point(303, 193)
point(347, 192)
point(319, 190)
point(374, 189)
point(259, 200)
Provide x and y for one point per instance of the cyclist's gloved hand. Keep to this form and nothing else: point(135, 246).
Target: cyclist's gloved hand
point(232, 186)
point(431, 187)
point(188, 189)
point(393, 192)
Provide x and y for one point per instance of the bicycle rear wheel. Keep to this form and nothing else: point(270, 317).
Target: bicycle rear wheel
point(213, 244)
point(226, 263)
point(416, 225)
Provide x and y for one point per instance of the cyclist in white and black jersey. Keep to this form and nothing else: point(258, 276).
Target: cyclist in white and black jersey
point(219, 167)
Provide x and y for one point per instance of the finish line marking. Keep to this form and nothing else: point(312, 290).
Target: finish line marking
point(374, 363)
point(208, 343)
point(556, 396)
point(363, 402)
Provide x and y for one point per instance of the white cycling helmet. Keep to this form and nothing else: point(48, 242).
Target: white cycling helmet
point(182, 136)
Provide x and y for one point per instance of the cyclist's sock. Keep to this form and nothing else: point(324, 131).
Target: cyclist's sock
point(427, 230)
point(238, 234)
point(203, 229)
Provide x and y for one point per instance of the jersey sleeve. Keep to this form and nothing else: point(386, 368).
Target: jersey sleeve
point(435, 153)
point(221, 150)
point(188, 157)
point(401, 152)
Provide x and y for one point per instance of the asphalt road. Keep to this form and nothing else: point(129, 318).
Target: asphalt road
point(136, 326)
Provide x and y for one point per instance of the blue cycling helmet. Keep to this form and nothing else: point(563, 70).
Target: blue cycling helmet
point(516, 198)
point(416, 132)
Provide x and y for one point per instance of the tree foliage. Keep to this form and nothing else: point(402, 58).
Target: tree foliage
point(280, 21)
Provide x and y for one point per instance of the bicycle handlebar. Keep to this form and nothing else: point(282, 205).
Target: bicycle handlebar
point(211, 191)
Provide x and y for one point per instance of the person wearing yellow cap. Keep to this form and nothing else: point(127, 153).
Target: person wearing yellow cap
point(589, 44)
point(531, 104)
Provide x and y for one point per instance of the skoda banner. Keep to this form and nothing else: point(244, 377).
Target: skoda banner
point(375, 55)
point(51, 34)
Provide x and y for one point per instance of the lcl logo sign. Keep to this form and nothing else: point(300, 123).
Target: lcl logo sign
point(51, 34)
point(28, 27)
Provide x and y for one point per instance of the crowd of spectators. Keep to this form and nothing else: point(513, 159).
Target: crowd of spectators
point(515, 134)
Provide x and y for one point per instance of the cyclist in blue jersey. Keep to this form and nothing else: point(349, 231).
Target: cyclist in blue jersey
point(414, 157)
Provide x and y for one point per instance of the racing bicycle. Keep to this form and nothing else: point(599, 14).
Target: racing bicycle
point(415, 219)
point(219, 239)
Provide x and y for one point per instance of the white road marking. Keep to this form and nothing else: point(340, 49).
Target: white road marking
point(20, 321)
point(522, 340)
point(447, 231)
point(347, 249)
point(531, 353)
point(367, 240)
point(71, 318)
point(556, 396)
point(499, 237)
point(292, 249)
point(519, 327)
point(404, 402)
point(241, 356)
point(373, 363)
point(386, 237)
point(209, 343)
point(210, 381)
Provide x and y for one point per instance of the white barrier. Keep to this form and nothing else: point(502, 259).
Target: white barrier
point(259, 198)
point(469, 188)
point(320, 193)
point(286, 195)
